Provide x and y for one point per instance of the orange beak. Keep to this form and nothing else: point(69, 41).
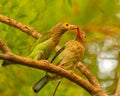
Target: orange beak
point(72, 27)
point(79, 32)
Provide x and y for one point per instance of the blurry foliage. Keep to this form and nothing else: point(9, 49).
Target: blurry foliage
point(99, 19)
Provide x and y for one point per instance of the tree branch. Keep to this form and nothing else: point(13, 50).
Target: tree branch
point(92, 79)
point(20, 26)
point(46, 66)
point(4, 48)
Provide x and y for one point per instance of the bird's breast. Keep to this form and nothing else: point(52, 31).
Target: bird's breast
point(75, 48)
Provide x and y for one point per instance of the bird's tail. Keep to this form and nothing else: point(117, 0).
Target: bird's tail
point(40, 84)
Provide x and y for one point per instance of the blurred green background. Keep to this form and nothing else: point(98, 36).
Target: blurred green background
point(100, 19)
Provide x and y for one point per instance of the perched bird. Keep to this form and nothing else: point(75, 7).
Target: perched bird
point(67, 57)
point(47, 43)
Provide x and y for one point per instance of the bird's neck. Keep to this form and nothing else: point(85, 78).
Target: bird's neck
point(56, 37)
point(80, 40)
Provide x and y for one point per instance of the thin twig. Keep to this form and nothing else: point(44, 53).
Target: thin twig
point(57, 87)
point(4, 48)
point(20, 26)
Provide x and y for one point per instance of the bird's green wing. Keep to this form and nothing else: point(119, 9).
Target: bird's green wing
point(43, 38)
point(56, 58)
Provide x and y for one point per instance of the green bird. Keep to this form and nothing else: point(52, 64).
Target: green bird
point(67, 57)
point(47, 43)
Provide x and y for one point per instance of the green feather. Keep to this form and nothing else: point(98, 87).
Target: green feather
point(43, 38)
point(57, 53)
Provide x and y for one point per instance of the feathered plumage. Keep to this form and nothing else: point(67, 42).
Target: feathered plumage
point(66, 58)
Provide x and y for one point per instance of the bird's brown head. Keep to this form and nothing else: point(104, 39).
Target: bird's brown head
point(68, 26)
point(59, 29)
point(63, 27)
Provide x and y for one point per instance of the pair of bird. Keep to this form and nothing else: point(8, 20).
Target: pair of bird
point(66, 57)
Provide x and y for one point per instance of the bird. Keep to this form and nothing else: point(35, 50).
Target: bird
point(67, 57)
point(47, 43)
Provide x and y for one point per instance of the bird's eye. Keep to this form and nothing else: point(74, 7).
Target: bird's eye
point(67, 24)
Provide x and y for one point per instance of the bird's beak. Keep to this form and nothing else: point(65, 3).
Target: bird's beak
point(79, 32)
point(72, 27)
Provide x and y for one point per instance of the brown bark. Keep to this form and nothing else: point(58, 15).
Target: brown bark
point(91, 78)
point(20, 26)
